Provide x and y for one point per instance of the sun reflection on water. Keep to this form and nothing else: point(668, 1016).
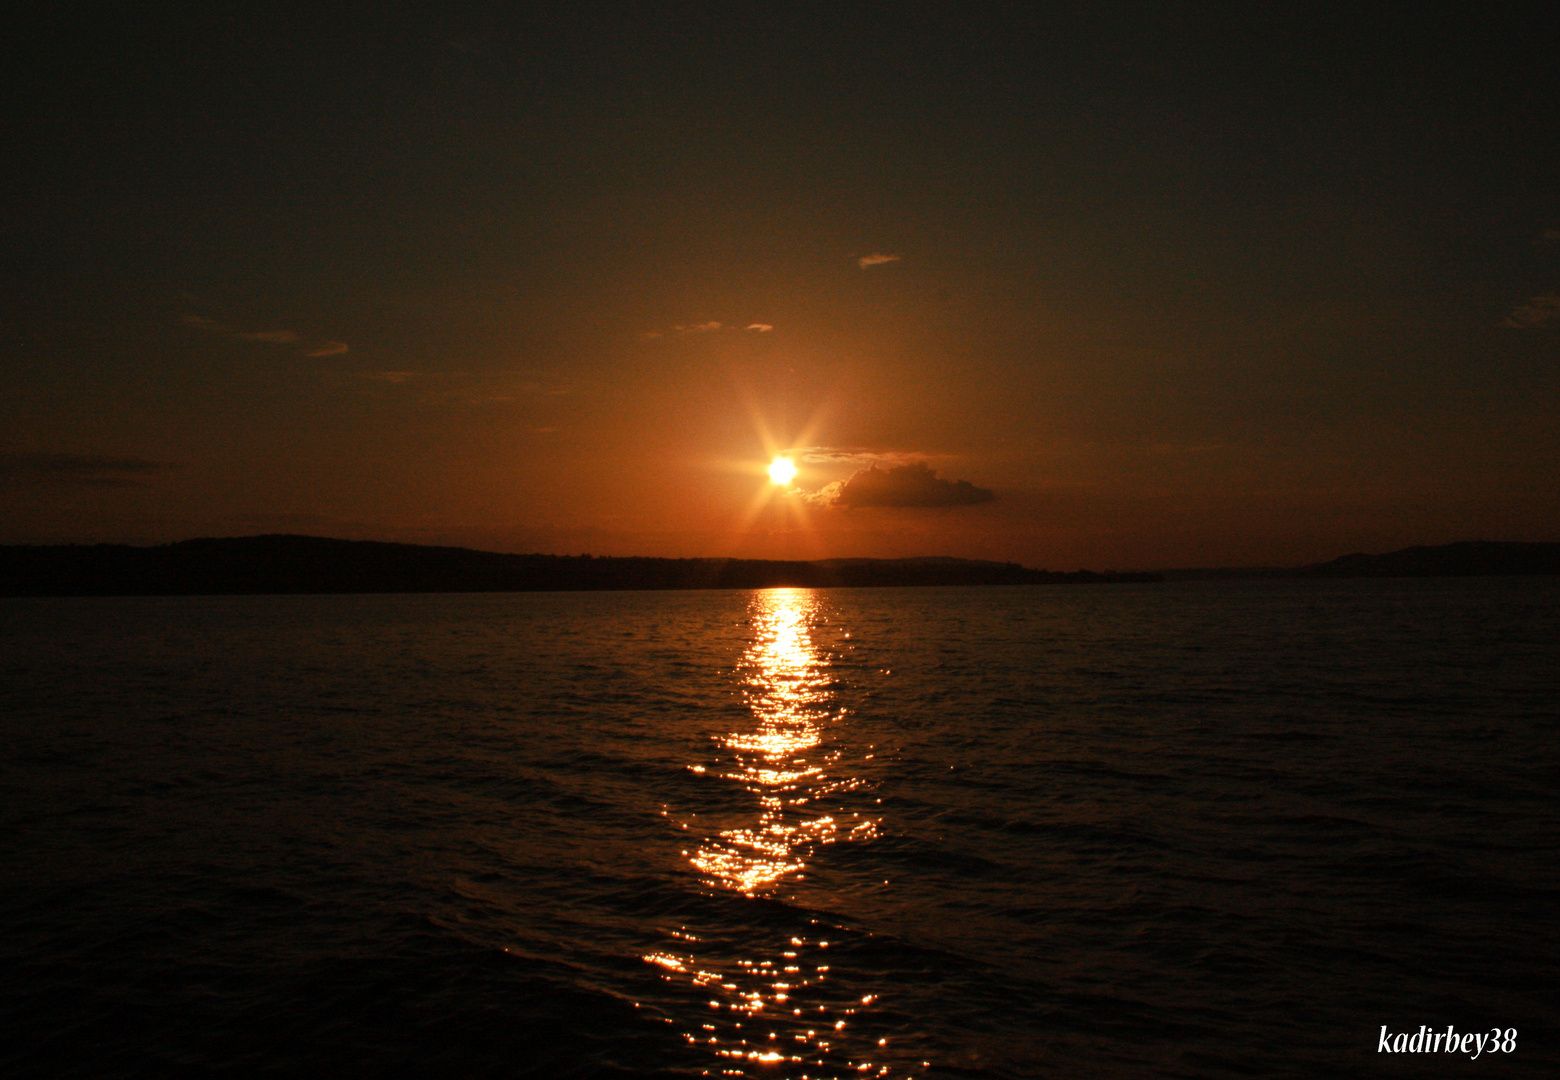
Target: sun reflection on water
point(786, 684)
point(780, 1013)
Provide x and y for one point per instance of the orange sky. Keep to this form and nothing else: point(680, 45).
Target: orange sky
point(1241, 291)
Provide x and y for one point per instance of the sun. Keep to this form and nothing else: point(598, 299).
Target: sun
point(782, 470)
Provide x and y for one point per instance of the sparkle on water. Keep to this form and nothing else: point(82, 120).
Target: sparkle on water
point(793, 1017)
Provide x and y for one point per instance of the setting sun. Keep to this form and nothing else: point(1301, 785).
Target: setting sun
point(782, 470)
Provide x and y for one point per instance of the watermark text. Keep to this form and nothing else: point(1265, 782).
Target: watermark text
point(1450, 1041)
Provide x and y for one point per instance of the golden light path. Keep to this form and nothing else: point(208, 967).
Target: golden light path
point(786, 689)
point(776, 1015)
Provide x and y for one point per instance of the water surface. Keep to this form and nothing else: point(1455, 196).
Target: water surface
point(1195, 829)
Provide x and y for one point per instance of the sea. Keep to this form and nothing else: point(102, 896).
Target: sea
point(1227, 829)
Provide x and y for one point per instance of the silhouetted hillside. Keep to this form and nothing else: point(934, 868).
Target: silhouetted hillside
point(1466, 559)
point(309, 564)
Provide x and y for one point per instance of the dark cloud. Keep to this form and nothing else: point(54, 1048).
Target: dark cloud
point(81, 470)
point(914, 484)
point(1539, 311)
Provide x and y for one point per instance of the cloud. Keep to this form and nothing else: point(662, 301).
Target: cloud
point(875, 259)
point(78, 470)
point(388, 376)
point(710, 327)
point(1548, 236)
point(1539, 311)
point(860, 457)
point(913, 484)
point(262, 337)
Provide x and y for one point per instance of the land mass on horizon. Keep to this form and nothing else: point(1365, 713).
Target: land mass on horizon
point(311, 564)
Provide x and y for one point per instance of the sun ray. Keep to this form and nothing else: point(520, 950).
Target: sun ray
point(773, 489)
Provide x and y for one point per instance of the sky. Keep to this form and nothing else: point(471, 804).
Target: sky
point(1116, 286)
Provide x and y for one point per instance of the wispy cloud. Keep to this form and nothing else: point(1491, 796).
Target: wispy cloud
point(699, 329)
point(78, 470)
point(859, 457)
point(1539, 311)
point(263, 337)
point(875, 259)
point(267, 337)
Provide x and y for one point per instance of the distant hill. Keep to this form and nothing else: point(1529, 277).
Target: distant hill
point(311, 564)
point(1467, 559)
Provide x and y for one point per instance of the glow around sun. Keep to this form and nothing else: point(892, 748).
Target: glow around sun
point(782, 470)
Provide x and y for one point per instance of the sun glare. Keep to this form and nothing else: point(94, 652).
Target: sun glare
point(782, 470)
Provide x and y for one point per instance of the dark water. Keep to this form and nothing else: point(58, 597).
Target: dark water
point(1186, 830)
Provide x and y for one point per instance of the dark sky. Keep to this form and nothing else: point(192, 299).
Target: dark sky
point(1160, 286)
